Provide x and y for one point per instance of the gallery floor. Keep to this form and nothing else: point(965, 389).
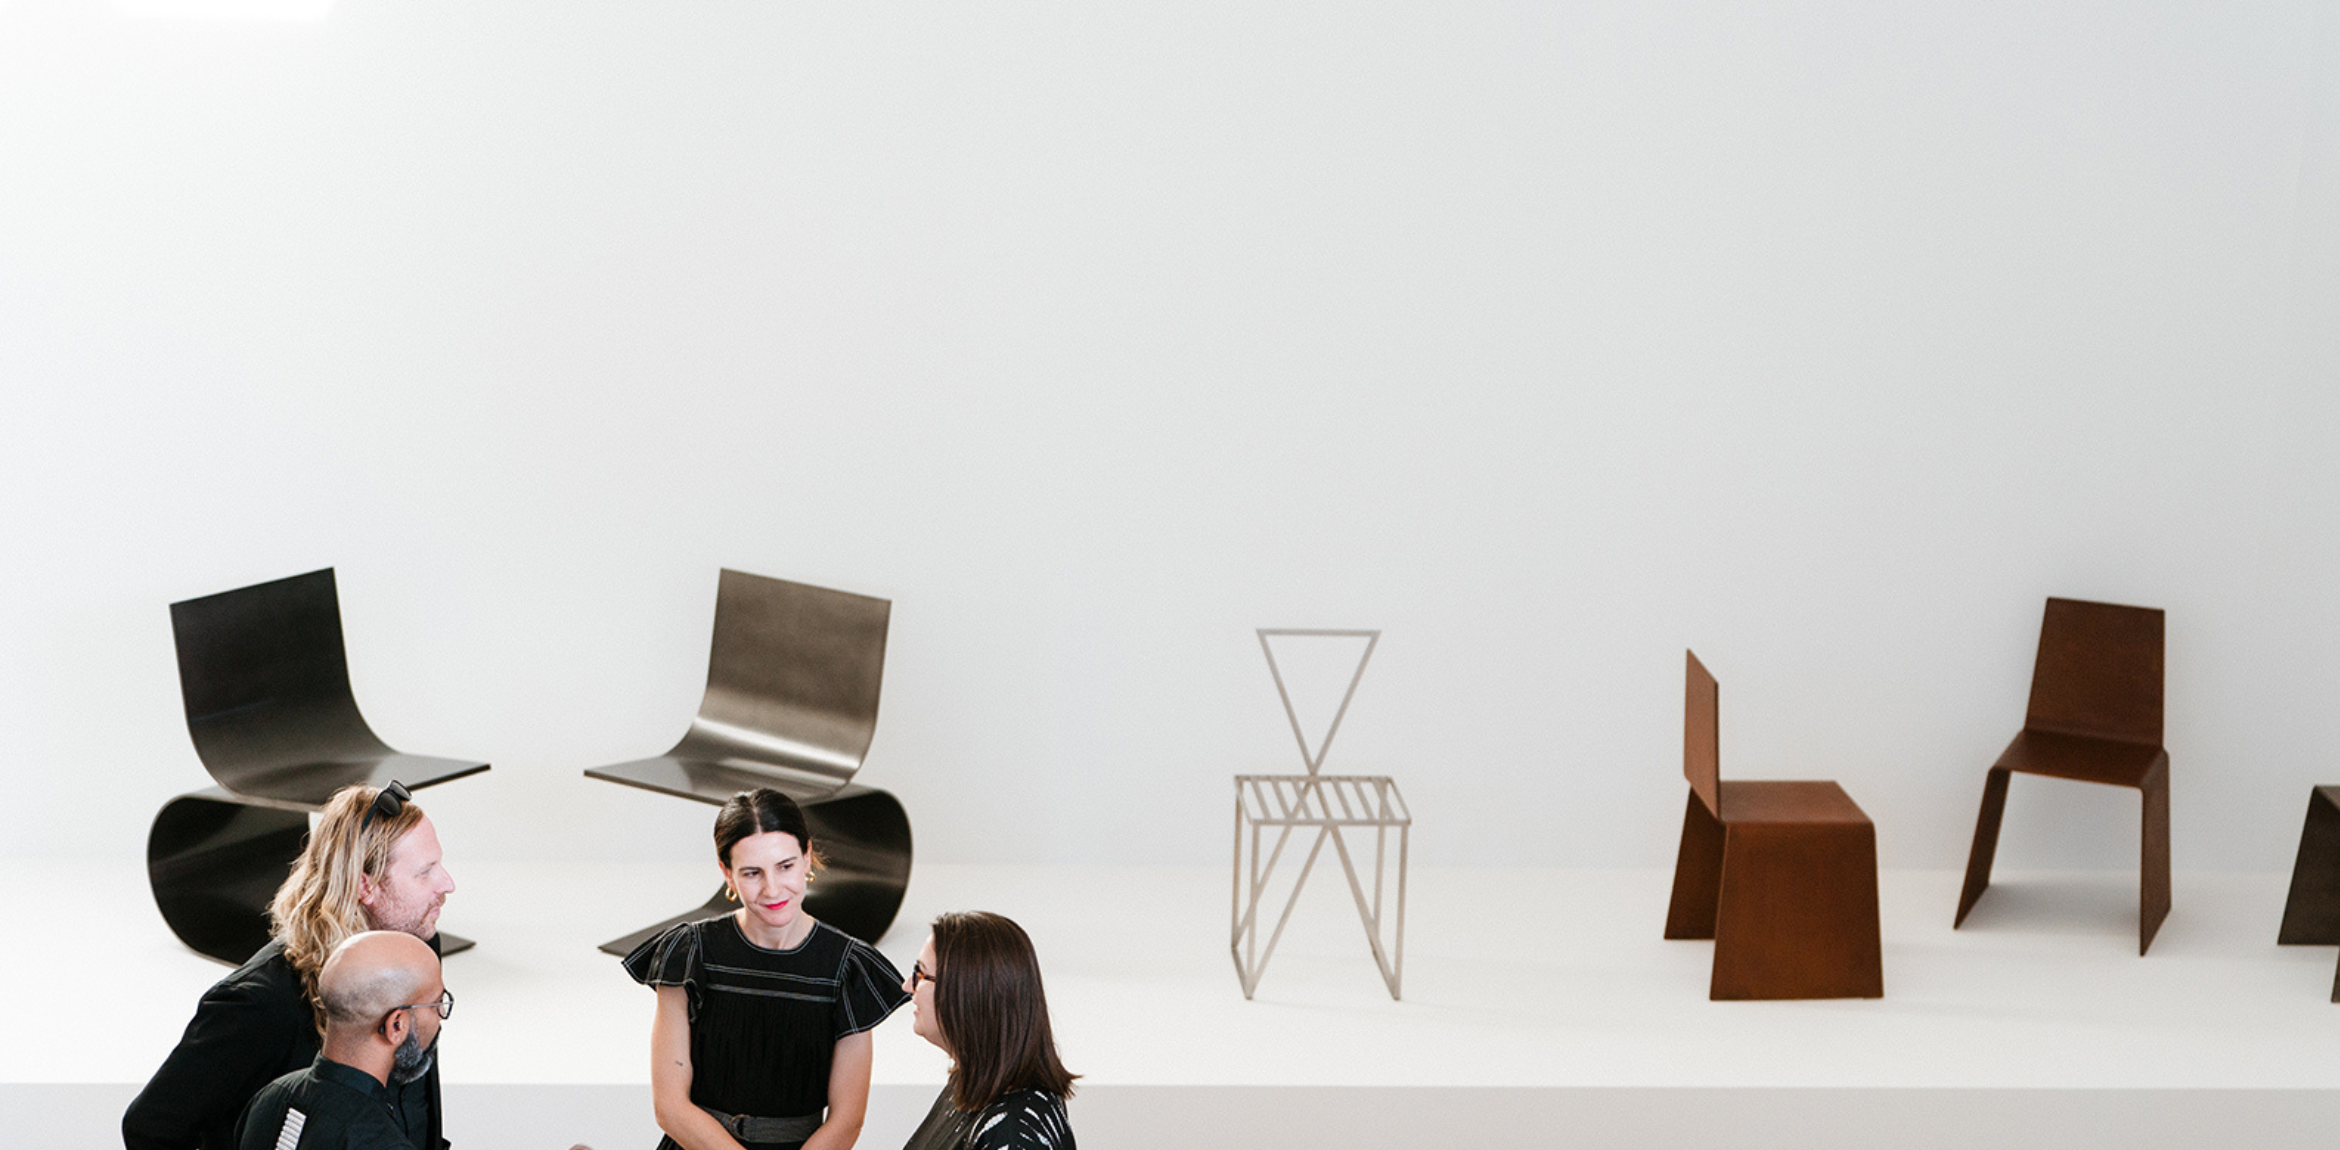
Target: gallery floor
point(1541, 1008)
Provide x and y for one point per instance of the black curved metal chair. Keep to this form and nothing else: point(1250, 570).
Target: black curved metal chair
point(266, 684)
point(791, 704)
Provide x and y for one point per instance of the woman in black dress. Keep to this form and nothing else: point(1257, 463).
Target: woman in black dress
point(975, 993)
point(762, 1036)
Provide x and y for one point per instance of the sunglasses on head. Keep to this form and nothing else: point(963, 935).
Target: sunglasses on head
point(388, 803)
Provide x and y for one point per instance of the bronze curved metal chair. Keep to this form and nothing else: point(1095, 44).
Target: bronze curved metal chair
point(1782, 875)
point(2094, 717)
point(791, 704)
point(265, 679)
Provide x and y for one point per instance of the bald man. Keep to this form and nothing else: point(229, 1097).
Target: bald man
point(383, 1000)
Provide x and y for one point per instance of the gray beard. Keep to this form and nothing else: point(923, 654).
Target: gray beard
point(411, 1061)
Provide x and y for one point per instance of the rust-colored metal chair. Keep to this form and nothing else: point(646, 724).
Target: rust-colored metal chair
point(2311, 914)
point(2095, 716)
point(1781, 875)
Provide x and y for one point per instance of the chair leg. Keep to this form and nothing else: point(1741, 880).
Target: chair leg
point(214, 861)
point(2311, 913)
point(864, 839)
point(1986, 843)
point(1798, 916)
point(718, 904)
point(1697, 874)
point(2153, 865)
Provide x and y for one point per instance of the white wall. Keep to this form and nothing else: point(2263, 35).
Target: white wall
point(1552, 338)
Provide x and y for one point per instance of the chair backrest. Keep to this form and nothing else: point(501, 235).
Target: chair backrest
point(266, 683)
point(1702, 734)
point(792, 680)
point(2099, 672)
point(1314, 760)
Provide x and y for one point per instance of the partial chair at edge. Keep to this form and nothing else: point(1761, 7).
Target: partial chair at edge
point(265, 678)
point(791, 704)
point(2311, 913)
point(2094, 717)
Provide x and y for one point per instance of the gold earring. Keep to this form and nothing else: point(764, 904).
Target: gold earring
point(729, 893)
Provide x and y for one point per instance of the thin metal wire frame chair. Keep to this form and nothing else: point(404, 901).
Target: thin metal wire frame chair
point(1330, 804)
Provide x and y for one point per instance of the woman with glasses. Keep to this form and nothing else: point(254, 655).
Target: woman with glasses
point(975, 992)
point(762, 1033)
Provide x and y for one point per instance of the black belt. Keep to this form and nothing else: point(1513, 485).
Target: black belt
point(752, 1128)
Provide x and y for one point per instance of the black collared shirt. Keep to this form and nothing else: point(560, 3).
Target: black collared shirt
point(329, 1106)
point(252, 1027)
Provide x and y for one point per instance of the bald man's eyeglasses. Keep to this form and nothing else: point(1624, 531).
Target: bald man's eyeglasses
point(445, 1005)
point(388, 804)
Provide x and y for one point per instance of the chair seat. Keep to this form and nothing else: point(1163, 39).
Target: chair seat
point(708, 782)
point(312, 784)
point(1322, 800)
point(1788, 801)
point(2084, 758)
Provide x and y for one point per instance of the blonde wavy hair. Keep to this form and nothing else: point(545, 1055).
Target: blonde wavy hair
point(318, 905)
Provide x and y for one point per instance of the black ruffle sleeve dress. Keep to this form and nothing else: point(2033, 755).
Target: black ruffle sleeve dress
point(765, 1023)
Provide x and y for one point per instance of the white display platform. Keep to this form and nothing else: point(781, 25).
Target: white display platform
point(1541, 1007)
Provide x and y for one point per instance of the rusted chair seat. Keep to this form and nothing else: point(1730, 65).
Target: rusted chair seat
point(2311, 913)
point(2094, 717)
point(1781, 875)
point(791, 704)
point(265, 679)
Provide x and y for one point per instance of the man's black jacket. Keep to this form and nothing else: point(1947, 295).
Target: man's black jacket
point(251, 1028)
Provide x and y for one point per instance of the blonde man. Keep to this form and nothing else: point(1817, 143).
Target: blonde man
point(372, 863)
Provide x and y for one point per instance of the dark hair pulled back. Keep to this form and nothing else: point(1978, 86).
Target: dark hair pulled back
point(756, 812)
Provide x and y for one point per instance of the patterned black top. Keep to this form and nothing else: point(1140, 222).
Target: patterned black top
point(1017, 1120)
point(765, 1023)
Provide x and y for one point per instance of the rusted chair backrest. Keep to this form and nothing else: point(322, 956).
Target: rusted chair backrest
point(2099, 672)
point(1702, 734)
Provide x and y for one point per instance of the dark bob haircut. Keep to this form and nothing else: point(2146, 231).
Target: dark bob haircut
point(988, 1000)
point(755, 812)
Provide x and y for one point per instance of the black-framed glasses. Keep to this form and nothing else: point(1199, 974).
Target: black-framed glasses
point(918, 974)
point(445, 1005)
point(388, 803)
